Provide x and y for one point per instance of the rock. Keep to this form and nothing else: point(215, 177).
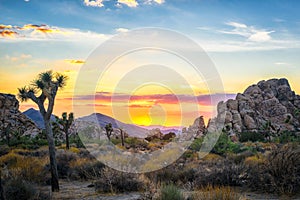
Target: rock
point(198, 128)
point(232, 104)
point(12, 120)
point(271, 100)
point(169, 136)
point(249, 122)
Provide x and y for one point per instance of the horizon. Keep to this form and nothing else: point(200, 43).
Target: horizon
point(251, 41)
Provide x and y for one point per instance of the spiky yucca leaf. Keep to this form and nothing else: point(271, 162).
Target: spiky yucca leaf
point(39, 84)
point(22, 95)
point(61, 80)
point(46, 77)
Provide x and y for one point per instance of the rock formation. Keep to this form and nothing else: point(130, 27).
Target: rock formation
point(198, 128)
point(266, 106)
point(12, 120)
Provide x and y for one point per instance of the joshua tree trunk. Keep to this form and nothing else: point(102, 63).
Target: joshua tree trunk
point(67, 140)
point(122, 137)
point(53, 164)
point(1, 188)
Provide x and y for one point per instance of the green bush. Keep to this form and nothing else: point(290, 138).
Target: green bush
point(287, 137)
point(252, 137)
point(196, 144)
point(16, 189)
point(171, 192)
point(225, 145)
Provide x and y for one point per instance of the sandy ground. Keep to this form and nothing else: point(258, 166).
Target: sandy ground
point(76, 190)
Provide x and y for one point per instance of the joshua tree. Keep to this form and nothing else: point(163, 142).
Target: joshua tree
point(109, 130)
point(122, 136)
point(66, 122)
point(47, 85)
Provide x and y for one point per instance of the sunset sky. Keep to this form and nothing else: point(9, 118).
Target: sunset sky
point(246, 40)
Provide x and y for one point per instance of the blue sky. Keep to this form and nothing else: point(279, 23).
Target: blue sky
point(246, 40)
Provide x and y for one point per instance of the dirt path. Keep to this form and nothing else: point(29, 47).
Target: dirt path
point(77, 190)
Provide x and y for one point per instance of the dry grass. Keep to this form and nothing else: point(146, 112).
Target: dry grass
point(216, 193)
point(25, 167)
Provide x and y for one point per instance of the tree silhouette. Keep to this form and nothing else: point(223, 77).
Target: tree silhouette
point(47, 85)
point(64, 123)
point(109, 130)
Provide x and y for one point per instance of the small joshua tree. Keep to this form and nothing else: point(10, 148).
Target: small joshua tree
point(47, 85)
point(64, 123)
point(109, 130)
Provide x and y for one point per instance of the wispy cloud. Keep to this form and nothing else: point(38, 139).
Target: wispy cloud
point(47, 32)
point(122, 30)
point(249, 32)
point(72, 61)
point(121, 3)
point(17, 58)
point(153, 99)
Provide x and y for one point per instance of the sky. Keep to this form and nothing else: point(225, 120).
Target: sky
point(246, 41)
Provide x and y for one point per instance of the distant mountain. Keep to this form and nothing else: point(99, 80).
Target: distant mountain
point(164, 129)
point(131, 129)
point(36, 116)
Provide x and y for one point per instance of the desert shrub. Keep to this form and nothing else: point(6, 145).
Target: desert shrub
point(18, 189)
point(4, 149)
point(135, 142)
point(286, 137)
point(240, 157)
point(216, 193)
point(279, 173)
point(251, 136)
point(75, 139)
point(86, 169)
point(64, 159)
point(284, 167)
point(113, 181)
point(171, 192)
point(225, 145)
point(26, 168)
point(196, 144)
point(222, 173)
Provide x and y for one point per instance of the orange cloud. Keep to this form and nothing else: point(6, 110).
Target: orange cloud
point(2, 26)
point(8, 33)
point(75, 61)
point(43, 28)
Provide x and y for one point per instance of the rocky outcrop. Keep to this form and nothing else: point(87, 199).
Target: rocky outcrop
point(12, 120)
point(198, 128)
point(154, 134)
point(266, 106)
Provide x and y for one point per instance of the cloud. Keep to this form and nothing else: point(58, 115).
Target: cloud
point(281, 63)
point(17, 58)
point(146, 100)
point(129, 3)
point(122, 30)
point(251, 33)
point(2, 26)
point(149, 2)
point(75, 61)
point(93, 3)
point(8, 33)
point(34, 32)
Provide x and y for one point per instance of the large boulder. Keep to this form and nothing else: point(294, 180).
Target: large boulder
point(12, 120)
point(267, 101)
